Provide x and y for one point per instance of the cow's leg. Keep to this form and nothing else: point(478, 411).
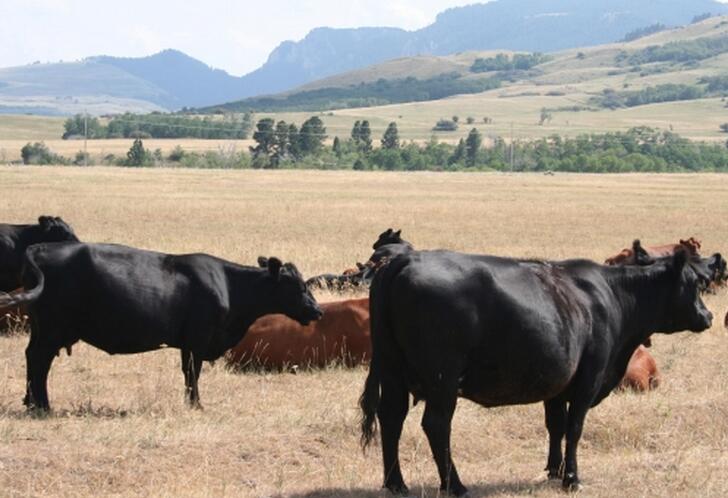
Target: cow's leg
point(556, 425)
point(191, 366)
point(436, 422)
point(574, 427)
point(38, 357)
point(391, 413)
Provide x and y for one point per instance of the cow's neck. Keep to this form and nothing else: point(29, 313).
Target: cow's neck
point(250, 291)
point(643, 295)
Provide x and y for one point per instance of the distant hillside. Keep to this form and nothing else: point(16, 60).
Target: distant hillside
point(171, 80)
point(671, 55)
point(165, 81)
point(523, 25)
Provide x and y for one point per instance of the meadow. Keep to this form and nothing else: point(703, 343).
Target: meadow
point(120, 426)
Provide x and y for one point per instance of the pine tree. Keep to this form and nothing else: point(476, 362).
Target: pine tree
point(365, 137)
point(390, 140)
point(137, 154)
point(265, 138)
point(313, 135)
point(472, 146)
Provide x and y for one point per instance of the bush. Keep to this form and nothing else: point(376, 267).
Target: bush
point(39, 153)
point(445, 125)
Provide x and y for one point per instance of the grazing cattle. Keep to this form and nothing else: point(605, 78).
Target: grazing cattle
point(124, 300)
point(501, 331)
point(277, 342)
point(632, 257)
point(642, 374)
point(15, 239)
point(715, 265)
point(388, 245)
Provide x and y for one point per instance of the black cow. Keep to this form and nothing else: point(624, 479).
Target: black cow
point(388, 245)
point(502, 331)
point(15, 239)
point(124, 300)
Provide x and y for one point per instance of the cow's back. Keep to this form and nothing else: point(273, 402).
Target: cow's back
point(119, 299)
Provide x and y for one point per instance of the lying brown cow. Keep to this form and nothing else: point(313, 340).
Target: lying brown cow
point(277, 342)
point(628, 256)
point(642, 374)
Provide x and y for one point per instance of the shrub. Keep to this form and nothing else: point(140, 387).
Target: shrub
point(39, 153)
point(445, 125)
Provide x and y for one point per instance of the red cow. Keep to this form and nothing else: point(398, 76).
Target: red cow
point(627, 256)
point(642, 374)
point(277, 342)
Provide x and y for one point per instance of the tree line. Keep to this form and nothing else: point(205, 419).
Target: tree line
point(502, 62)
point(366, 94)
point(159, 125)
point(284, 145)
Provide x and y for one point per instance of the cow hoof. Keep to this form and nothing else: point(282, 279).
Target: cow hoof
point(571, 483)
point(554, 474)
point(457, 491)
point(398, 489)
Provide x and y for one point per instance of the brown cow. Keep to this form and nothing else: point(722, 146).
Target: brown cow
point(628, 257)
point(277, 342)
point(642, 374)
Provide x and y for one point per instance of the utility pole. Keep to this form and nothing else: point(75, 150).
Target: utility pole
point(85, 138)
point(511, 146)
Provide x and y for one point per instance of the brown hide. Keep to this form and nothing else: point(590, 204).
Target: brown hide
point(276, 341)
point(642, 374)
point(626, 256)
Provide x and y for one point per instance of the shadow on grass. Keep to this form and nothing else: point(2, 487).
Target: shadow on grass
point(86, 410)
point(475, 491)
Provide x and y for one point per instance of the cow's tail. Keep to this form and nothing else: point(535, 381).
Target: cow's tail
point(381, 337)
point(34, 277)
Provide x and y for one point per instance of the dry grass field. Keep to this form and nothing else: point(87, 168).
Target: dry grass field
point(120, 426)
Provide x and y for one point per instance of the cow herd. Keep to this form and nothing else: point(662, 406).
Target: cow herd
point(437, 325)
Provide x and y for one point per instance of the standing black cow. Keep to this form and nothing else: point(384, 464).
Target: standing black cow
point(501, 331)
point(15, 239)
point(124, 300)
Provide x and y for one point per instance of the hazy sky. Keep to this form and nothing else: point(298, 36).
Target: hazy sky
point(233, 35)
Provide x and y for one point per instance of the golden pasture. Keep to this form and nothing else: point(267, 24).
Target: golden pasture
point(120, 426)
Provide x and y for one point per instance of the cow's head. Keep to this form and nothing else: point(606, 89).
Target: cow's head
point(290, 295)
point(687, 277)
point(388, 237)
point(56, 230)
point(692, 245)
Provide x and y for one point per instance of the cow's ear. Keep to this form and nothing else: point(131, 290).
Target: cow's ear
point(398, 233)
point(262, 262)
point(45, 222)
point(274, 267)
